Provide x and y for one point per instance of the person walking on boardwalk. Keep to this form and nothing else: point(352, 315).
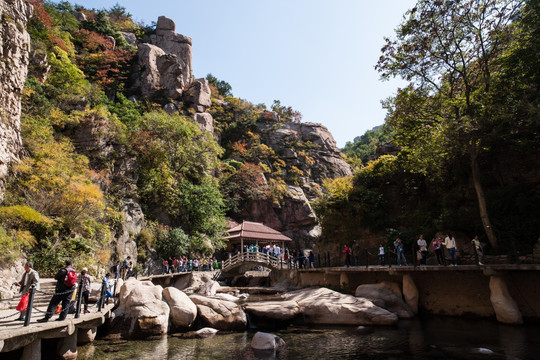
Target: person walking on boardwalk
point(438, 250)
point(478, 249)
point(66, 281)
point(450, 245)
point(86, 283)
point(108, 293)
point(381, 253)
point(400, 252)
point(29, 278)
point(347, 252)
point(422, 247)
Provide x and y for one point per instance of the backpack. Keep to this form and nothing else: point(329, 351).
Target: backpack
point(71, 277)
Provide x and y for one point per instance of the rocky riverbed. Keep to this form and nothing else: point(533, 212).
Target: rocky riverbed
point(145, 310)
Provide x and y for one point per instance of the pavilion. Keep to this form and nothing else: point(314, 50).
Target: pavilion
point(254, 233)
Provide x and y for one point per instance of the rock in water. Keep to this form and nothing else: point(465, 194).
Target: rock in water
point(221, 315)
point(266, 341)
point(325, 306)
point(142, 312)
point(383, 296)
point(183, 310)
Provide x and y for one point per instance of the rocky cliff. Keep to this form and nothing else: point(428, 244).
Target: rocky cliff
point(318, 159)
point(14, 55)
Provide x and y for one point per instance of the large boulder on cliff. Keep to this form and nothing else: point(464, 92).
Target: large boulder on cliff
point(205, 121)
point(141, 312)
point(165, 63)
point(325, 306)
point(198, 95)
point(183, 310)
point(14, 56)
point(159, 71)
point(386, 298)
point(219, 314)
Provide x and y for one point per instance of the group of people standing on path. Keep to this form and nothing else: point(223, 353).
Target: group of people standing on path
point(183, 264)
point(438, 246)
point(64, 298)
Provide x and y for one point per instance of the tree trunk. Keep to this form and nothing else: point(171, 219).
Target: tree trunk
point(481, 197)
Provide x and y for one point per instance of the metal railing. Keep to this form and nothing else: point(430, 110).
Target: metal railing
point(32, 293)
point(257, 257)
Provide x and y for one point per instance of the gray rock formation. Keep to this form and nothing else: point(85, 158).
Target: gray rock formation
point(274, 310)
point(183, 310)
point(205, 121)
point(266, 341)
point(198, 95)
point(166, 62)
point(14, 57)
point(318, 158)
point(130, 38)
point(384, 297)
point(221, 315)
point(133, 223)
point(142, 312)
point(325, 306)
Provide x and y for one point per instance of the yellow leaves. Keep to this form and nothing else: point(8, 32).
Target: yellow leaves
point(340, 187)
point(265, 168)
point(24, 238)
point(278, 189)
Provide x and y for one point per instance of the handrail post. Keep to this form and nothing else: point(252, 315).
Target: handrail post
point(79, 299)
point(367, 258)
point(101, 296)
point(31, 293)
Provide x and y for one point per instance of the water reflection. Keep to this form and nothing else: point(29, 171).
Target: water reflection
point(435, 338)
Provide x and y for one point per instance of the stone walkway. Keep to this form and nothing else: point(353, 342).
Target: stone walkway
point(10, 323)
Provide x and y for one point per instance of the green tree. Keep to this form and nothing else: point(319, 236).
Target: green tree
point(172, 243)
point(223, 87)
point(364, 146)
point(448, 51)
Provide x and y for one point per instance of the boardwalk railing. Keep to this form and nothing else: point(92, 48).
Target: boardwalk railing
point(256, 257)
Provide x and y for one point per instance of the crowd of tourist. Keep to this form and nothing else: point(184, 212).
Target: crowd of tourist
point(183, 264)
point(438, 246)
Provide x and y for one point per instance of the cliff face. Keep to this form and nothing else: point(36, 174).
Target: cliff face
point(318, 158)
point(14, 55)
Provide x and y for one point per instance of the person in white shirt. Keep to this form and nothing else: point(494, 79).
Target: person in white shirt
point(450, 245)
point(422, 246)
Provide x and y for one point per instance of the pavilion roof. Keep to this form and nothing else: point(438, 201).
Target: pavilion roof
point(255, 231)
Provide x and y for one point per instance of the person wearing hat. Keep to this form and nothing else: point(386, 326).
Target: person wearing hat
point(86, 282)
point(29, 278)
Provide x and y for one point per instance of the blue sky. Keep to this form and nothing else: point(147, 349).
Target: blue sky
point(316, 56)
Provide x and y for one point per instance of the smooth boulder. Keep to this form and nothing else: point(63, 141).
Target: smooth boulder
point(266, 341)
point(218, 314)
point(275, 310)
point(325, 306)
point(142, 312)
point(183, 310)
point(384, 296)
